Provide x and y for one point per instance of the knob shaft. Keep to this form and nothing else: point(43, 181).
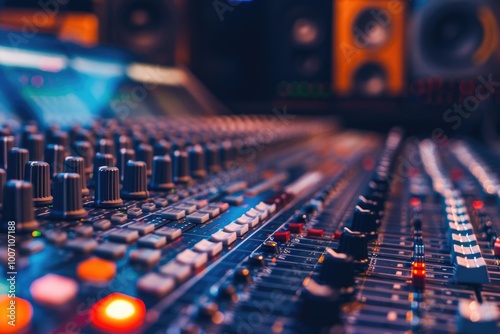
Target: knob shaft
point(162, 173)
point(108, 188)
point(77, 165)
point(181, 167)
point(6, 144)
point(18, 206)
point(68, 202)
point(54, 155)
point(17, 158)
point(38, 174)
point(135, 181)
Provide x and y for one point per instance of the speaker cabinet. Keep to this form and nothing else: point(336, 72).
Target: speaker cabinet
point(152, 29)
point(368, 47)
point(453, 39)
point(299, 40)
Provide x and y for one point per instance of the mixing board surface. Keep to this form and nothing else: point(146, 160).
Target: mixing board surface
point(245, 225)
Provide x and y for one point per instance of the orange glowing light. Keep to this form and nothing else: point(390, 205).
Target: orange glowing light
point(15, 308)
point(118, 313)
point(96, 270)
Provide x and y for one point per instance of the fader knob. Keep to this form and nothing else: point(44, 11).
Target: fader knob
point(181, 167)
point(107, 192)
point(35, 145)
point(162, 173)
point(54, 155)
point(17, 158)
point(364, 220)
point(6, 144)
point(197, 162)
point(68, 202)
point(144, 153)
point(100, 160)
point(38, 173)
point(337, 269)
point(18, 206)
point(77, 165)
point(135, 181)
point(354, 243)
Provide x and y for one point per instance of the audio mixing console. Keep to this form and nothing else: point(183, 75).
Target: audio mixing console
point(245, 225)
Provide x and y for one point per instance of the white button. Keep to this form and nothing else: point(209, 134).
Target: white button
point(245, 220)
point(239, 229)
point(211, 248)
point(224, 237)
point(155, 284)
point(195, 260)
point(53, 290)
point(177, 270)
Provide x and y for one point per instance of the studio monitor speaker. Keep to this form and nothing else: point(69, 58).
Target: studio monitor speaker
point(368, 47)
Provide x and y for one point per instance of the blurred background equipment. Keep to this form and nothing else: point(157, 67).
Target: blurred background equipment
point(369, 47)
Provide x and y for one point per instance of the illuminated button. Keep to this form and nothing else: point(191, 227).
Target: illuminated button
point(246, 220)
point(224, 237)
point(466, 251)
point(198, 217)
point(142, 228)
point(496, 247)
point(21, 312)
point(467, 239)
point(418, 274)
point(110, 250)
point(211, 248)
point(236, 228)
point(193, 259)
point(177, 270)
point(152, 241)
point(53, 290)
point(96, 270)
point(173, 214)
point(169, 232)
point(118, 313)
point(155, 284)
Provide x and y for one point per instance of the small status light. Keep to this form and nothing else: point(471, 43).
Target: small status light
point(414, 202)
point(477, 205)
point(118, 313)
point(36, 234)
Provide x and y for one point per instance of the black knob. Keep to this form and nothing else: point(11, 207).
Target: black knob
point(107, 192)
point(54, 155)
point(77, 165)
point(319, 307)
point(68, 202)
point(27, 131)
point(226, 154)
point(162, 173)
point(144, 152)
point(35, 145)
point(337, 269)
point(162, 147)
point(135, 181)
point(6, 144)
point(3, 179)
point(59, 138)
point(85, 150)
point(197, 162)
point(100, 160)
point(181, 167)
point(354, 243)
point(38, 174)
point(212, 158)
point(124, 155)
point(17, 158)
point(364, 220)
point(18, 206)
point(106, 146)
point(123, 142)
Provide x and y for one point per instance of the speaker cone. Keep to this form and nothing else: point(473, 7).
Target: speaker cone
point(371, 28)
point(370, 80)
